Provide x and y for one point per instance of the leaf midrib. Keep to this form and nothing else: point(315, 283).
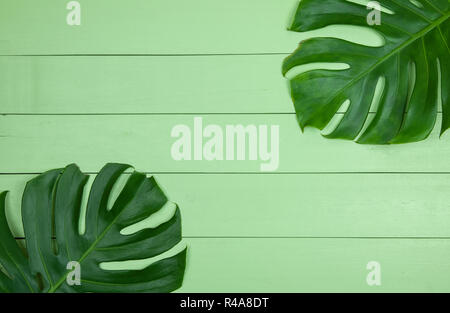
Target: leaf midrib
point(418, 35)
point(88, 251)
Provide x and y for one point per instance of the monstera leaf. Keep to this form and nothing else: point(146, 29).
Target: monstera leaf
point(51, 209)
point(416, 39)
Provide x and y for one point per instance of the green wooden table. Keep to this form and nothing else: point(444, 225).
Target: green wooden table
point(112, 89)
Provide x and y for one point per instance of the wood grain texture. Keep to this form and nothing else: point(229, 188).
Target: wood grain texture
point(142, 26)
point(112, 89)
point(189, 84)
point(262, 265)
point(310, 205)
point(145, 85)
point(38, 143)
point(308, 265)
point(175, 27)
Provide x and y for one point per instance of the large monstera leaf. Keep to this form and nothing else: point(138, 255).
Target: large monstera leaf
point(416, 35)
point(51, 209)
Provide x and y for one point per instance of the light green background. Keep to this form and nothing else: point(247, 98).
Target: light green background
point(313, 225)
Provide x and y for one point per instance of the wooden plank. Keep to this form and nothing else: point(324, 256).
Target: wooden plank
point(310, 205)
point(212, 84)
point(32, 144)
point(145, 85)
point(348, 203)
point(142, 26)
point(157, 27)
point(316, 265)
point(242, 265)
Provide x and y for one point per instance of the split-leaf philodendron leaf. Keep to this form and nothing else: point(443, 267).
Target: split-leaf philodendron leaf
point(416, 35)
point(51, 209)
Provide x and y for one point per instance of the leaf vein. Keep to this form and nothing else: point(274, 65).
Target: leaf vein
point(389, 55)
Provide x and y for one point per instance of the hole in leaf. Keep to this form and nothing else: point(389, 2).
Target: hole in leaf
point(357, 34)
point(379, 88)
point(14, 201)
point(439, 92)
point(141, 264)
point(411, 82)
point(374, 105)
point(297, 70)
point(117, 189)
point(337, 118)
point(158, 218)
point(365, 2)
point(84, 201)
point(416, 3)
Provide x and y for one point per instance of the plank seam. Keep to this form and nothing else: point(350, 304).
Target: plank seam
point(255, 173)
point(161, 113)
point(144, 54)
point(311, 237)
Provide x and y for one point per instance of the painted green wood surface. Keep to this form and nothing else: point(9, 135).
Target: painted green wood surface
point(384, 203)
point(316, 265)
point(313, 265)
point(190, 84)
point(150, 27)
point(300, 205)
point(194, 84)
point(145, 141)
